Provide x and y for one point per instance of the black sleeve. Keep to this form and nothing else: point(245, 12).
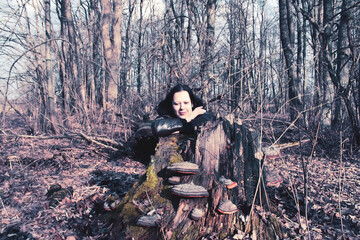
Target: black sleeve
point(201, 120)
point(165, 126)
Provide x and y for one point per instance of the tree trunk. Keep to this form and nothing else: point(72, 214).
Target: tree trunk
point(221, 150)
point(97, 56)
point(139, 49)
point(64, 73)
point(287, 42)
point(111, 36)
point(126, 56)
point(50, 106)
point(206, 55)
point(91, 67)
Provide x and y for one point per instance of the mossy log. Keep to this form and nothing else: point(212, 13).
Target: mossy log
point(221, 150)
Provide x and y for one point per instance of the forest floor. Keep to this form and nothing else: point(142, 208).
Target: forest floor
point(89, 176)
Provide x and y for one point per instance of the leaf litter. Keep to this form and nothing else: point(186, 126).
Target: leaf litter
point(29, 167)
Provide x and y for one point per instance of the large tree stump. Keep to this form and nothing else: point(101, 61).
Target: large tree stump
point(152, 209)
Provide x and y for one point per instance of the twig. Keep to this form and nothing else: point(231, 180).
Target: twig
point(3, 205)
point(340, 189)
point(291, 144)
point(41, 137)
point(306, 180)
point(91, 139)
point(253, 201)
point(156, 212)
point(108, 140)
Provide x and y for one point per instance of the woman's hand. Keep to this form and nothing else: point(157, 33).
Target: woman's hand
point(196, 112)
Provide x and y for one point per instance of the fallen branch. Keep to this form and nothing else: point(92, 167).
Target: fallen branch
point(291, 144)
point(96, 140)
point(93, 140)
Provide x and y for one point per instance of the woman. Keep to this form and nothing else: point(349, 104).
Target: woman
point(181, 111)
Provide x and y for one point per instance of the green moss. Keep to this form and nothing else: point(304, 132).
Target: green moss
point(137, 232)
point(149, 184)
point(146, 184)
point(129, 213)
point(174, 158)
point(127, 197)
point(173, 142)
point(223, 234)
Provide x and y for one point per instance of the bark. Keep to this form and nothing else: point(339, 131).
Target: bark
point(287, 42)
point(320, 75)
point(73, 52)
point(207, 54)
point(342, 44)
point(139, 49)
point(97, 56)
point(126, 58)
point(63, 69)
point(50, 94)
point(111, 35)
point(91, 66)
point(181, 55)
point(117, 25)
point(337, 73)
point(221, 149)
point(233, 81)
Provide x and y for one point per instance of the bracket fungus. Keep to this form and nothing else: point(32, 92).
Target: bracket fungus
point(273, 178)
point(227, 182)
point(189, 191)
point(227, 207)
point(183, 168)
point(271, 152)
point(148, 220)
point(196, 214)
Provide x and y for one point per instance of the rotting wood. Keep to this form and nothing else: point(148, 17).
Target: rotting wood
point(221, 150)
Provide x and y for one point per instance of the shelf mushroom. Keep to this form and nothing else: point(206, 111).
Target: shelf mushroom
point(273, 178)
point(183, 168)
point(196, 214)
point(189, 190)
point(227, 207)
point(271, 152)
point(148, 220)
point(227, 182)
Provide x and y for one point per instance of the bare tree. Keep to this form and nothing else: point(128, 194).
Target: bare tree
point(207, 47)
point(49, 100)
point(126, 50)
point(287, 41)
point(139, 47)
point(111, 12)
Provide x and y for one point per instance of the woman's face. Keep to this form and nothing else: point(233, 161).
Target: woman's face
point(182, 104)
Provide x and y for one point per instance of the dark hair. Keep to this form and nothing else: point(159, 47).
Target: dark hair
point(165, 107)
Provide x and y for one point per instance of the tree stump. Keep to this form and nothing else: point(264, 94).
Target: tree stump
point(210, 198)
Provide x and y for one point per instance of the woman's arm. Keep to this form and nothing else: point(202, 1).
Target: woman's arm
point(162, 127)
point(165, 126)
